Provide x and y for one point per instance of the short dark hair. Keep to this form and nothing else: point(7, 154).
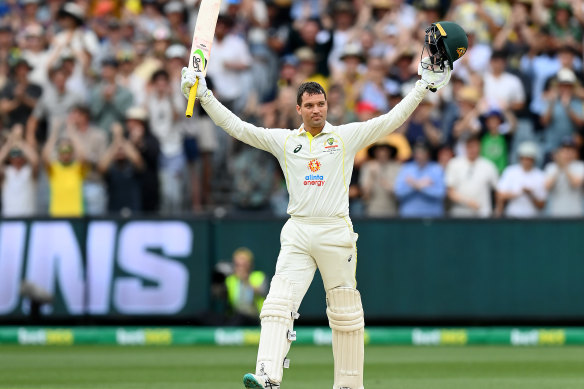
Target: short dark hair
point(82, 108)
point(473, 138)
point(160, 73)
point(311, 88)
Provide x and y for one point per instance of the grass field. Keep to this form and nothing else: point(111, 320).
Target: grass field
point(182, 367)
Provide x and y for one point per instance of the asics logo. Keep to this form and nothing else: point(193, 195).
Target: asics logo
point(297, 149)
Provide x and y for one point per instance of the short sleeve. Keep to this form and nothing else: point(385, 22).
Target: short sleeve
point(504, 183)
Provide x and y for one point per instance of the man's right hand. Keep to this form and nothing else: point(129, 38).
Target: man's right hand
point(188, 79)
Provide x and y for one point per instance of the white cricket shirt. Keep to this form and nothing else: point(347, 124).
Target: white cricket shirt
point(317, 169)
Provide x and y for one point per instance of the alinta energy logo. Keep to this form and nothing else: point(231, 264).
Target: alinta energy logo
point(314, 179)
point(314, 165)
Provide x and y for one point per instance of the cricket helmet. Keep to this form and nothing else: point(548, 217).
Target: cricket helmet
point(444, 41)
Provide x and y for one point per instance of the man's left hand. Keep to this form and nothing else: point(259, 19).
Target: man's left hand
point(434, 80)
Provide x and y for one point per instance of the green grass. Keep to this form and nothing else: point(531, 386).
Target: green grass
point(182, 367)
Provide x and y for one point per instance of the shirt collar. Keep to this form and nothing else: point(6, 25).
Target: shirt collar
point(328, 128)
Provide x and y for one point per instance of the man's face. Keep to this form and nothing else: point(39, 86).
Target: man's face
point(473, 149)
point(241, 266)
point(497, 65)
point(526, 163)
point(65, 153)
point(313, 110)
point(421, 155)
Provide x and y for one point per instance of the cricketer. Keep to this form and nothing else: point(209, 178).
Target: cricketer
point(317, 162)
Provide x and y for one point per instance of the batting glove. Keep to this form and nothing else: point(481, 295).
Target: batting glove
point(188, 79)
point(434, 80)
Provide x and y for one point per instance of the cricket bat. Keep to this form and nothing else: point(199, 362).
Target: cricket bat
point(202, 42)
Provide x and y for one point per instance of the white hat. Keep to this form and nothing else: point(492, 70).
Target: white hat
point(137, 113)
point(176, 51)
point(528, 150)
point(173, 6)
point(566, 76)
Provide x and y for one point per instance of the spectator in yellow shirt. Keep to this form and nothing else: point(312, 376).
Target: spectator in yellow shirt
point(66, 173)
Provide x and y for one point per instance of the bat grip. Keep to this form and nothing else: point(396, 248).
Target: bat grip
point(192, 97)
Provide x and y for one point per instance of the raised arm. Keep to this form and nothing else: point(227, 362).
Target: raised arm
point(365, 133)
point(261, 138)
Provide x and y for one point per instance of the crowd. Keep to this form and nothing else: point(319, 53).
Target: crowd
point(92, 115)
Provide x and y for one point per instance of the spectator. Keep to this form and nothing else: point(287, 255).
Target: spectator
point(503, 88)
point(53, 106)
point(420, 187)
point(470, 180)
point(112, 44)
point(351, 75)
point(307, 67)
point(373, 89)
point(309, 33)
point(422, 125)
point(564, 114)
point(19, 96)
point(109, 101)
point(66, 173)
point(94, 142)
point(377, 179)
point(163, 112)
point(18, 176)
point(521, 190)
point(563, 181)
point(253, 180)
point(148, 146)
point(7, 44)
point(36, 54)
point(121, 165)
point(246, 289)
point(497, 134)
point(231, 60)
point(128, 78)
point(468, 123)
point(73, 41)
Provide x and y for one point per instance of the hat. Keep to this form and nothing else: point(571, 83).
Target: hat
point(469, 94)
point(104, 7)
point(353, 50)
point(343, 6)
point(568, 141)
point(67, 54)
point(173, 7)
point(176, 51)
point(137, 113)
point(382, 4)
point(566, 76)
point(527, 150)
point(74, 11)
point(34, 30)
point(15, 152)
point(290, 59)
point(366, 106)
point(21, 61)
point(493, 112)
point(110, 61)
point(305, 54)
point(382, 144)
point(161, 33)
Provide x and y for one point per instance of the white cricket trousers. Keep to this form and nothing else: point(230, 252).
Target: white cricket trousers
point(328, 243)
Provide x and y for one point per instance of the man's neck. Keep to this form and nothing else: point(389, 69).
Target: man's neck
point(314, 131)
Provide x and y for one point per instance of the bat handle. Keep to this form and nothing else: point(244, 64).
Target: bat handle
point(192, 97)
